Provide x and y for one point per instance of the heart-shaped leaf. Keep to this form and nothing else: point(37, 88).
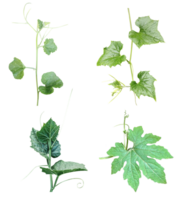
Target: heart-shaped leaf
point(111, 55)
point(148, 33)
point(145, 86)
point(50, 80)
point(17, 68)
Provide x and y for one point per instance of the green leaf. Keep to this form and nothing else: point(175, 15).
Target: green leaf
point(50, 80)
point(17, 68)
point(148, 33)
point(62, 167)
point(45, 170)
point(118, 87)
point(111, 55)
point(40, 24)
point(49, 131)
point(49, 46)
point(46, 23)
point(139, 153)
point(146, 85)
point(43, 148)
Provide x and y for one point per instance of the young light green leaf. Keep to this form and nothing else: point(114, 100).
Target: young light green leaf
point(150, 168)
point(49, 46)
point(43, 148)
point(116, 84)
point(50, 80)
point(46, 23)
point(40, 24)
point(111, 55)
point(146, 85)
point(126, 115)
point(17, 68)
point(62, 167)
point(148, 33)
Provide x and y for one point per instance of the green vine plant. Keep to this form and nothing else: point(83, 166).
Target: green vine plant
point(50, 83)
point(46, 144)
point(148, 34)
point(139, 152)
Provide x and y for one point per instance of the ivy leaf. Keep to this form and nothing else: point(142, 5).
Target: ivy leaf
point(49, 46)
point(17, 68)
point(49, 130)
point(148, 33)
point(43, 148)
point(50, 80)
point(150, 168)
point(146, 85)
point(111, 55)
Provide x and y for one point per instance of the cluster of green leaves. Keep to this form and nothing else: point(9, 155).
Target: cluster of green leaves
point(46, 144)
point(49, 45)
point(144, 85)
point(145, 33)
point(140, 152)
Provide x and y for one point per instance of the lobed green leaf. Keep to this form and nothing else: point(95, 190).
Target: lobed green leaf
point(139, 153)
point(17, 68)
point(49, 46)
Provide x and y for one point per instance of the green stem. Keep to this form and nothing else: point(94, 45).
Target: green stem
point(125, 134)
point(55, 183)
point(131, 48)
point(49, 163)
point(37, 68)
point(31, 68)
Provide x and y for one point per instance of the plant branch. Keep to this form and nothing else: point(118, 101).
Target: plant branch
point(125, 132)
point(49, 163)
point(55, 27)
point(31, 68)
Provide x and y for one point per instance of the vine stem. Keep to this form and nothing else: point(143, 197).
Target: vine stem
point(125, 140)
point(36, 70)
point(131, 48)
point(49, 164)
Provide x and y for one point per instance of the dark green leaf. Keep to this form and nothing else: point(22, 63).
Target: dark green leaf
point(49, 131)
point(47, 170)
point(43, 148)
point(46, 90)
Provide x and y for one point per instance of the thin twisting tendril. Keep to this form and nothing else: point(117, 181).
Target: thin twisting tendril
point(78, 184)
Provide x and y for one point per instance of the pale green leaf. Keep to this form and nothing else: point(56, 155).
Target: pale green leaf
point(148, 33)
point(139, 153)
point(49, 46)
point(111, 55)
point(62, 167)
